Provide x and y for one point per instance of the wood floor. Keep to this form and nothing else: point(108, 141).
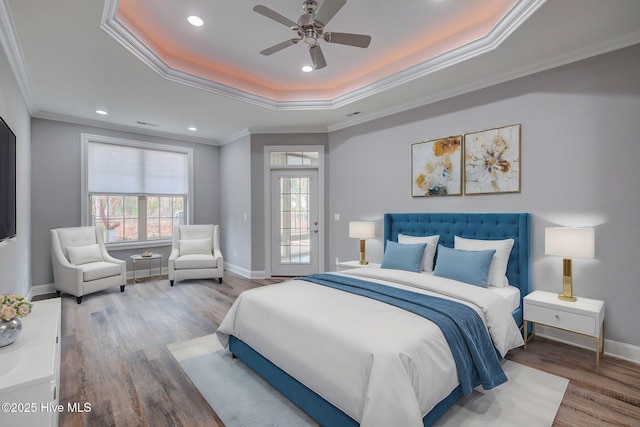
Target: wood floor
point(114, 357)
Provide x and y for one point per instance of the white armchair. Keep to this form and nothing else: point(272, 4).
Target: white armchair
point(81, 263)
point(195, 253)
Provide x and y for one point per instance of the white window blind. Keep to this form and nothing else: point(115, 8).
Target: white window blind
point(124, 169)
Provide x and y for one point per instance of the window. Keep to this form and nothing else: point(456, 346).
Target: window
point(295, 230)
point(136, 191)
point(286, 158)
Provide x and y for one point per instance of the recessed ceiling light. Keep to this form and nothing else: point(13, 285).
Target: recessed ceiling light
point(307, 68)
point(193, 128)
point(102, 112)
point(196, 21)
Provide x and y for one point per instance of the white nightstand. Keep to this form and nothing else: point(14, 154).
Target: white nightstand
point(584, 316)
point(345, 265)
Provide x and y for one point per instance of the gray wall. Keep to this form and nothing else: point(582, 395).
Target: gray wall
point(579, 149)
point(15, 253)
point(235, 204)
point(55, 186)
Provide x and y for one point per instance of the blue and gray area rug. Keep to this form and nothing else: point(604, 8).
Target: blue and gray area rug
point(241, 398)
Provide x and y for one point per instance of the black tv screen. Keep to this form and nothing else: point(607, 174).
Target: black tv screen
point(7, 182)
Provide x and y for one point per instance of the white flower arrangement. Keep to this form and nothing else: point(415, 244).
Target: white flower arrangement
point(12, 306)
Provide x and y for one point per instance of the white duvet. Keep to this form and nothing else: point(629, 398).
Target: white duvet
point(379, 364)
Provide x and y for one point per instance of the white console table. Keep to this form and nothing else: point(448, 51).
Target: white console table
point(30, 370)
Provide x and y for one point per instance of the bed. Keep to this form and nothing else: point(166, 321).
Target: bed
point(348, 360)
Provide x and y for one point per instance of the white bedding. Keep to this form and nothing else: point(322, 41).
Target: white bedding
point(379, 364)
point(509, 293)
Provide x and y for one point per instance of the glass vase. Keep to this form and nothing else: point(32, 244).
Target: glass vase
point(9, 331)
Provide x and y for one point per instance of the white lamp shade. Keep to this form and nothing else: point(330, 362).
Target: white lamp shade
point(570, 242)
point(362, 229)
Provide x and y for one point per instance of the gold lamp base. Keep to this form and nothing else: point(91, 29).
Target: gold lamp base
point(363, 261)
point(567, 282)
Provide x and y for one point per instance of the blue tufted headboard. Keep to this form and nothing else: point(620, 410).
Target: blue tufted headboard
point(486, 226)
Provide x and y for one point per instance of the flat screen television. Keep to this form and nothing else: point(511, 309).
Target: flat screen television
point(7, 182)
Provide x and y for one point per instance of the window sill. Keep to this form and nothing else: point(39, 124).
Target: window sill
point(120, 246)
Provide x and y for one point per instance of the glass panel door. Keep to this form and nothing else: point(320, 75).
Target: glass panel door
point(295, 222)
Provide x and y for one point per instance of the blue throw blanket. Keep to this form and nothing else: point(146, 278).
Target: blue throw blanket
point(476, 358)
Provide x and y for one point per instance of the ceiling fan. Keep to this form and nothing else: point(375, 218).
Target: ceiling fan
point(310, 29)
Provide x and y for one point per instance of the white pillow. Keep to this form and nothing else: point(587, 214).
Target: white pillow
point(195, 246)
point(429, 251)
point(84, 254)
point(498, 269)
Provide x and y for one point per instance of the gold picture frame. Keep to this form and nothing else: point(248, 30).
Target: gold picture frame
point(492, 161)
point(436, 167)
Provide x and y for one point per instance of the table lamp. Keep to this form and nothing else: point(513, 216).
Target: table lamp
point(362, 230)
point(569, 243)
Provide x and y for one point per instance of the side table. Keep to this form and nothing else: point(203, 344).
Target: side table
point(584, 316)
point(138, 257)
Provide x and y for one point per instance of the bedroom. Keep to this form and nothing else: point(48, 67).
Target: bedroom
point(579, 152)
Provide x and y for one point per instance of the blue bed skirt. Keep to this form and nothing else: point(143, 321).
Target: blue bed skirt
point(310, 402)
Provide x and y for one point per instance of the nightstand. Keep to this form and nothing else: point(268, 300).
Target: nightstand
point(584, 316)
point(345, 265)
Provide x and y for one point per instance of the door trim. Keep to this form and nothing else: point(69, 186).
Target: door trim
point(267, 198)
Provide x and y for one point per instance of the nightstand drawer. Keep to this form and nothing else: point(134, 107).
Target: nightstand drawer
point(561, 319)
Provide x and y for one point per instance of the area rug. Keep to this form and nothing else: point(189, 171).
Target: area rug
point(241, 398)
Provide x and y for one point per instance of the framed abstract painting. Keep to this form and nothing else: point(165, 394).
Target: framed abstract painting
point(492, 161)
point(436, 167)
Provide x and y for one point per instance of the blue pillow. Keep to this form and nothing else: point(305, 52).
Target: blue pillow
point(403, 256)
point(464, 266)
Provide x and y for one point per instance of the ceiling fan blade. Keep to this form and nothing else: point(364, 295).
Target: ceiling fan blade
point(264, 10)
point(357, 40)
point(317, 57)
point(328, 10)
point(279, 47)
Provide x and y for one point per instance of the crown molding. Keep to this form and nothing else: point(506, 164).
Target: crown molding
point(274, 130)
point(9, 43)
point(236, 136)
point(609, 45)
point(124, 128)
point(509, 23)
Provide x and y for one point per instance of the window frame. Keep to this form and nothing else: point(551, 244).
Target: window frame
point(85, 214)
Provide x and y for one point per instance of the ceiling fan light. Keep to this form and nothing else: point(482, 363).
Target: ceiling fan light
point(307, 68)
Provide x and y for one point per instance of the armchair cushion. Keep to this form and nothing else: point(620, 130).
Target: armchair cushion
point(79, 255)
point(190, 232)
point(195, 247)
point(99, 270)
point(196, 261)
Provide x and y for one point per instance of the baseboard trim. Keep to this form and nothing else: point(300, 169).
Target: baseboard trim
point(47, 288)
point(617, 349)
point(249, 274)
